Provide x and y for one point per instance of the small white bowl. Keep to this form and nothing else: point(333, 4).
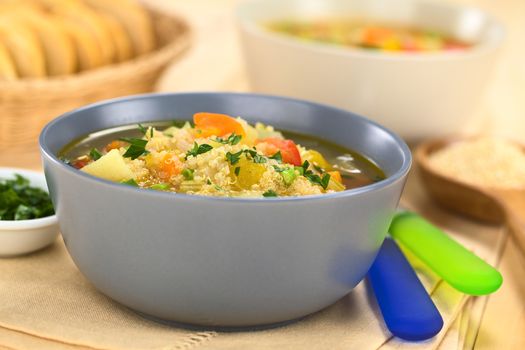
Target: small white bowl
point(418, 95)
point(25, 236)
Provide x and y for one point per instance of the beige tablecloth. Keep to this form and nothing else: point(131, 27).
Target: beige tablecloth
point(45, 303)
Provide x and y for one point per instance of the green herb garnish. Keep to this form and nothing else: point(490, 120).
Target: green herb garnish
point(188, 174)
point(160, 187)
point(136, 149)
point(95, 154)
point(237, 170)
point(270, 193)
point(142, 129)
point(278, 169)
point(233, 139)
point(314, 178)
point(277, 156)
point(325, 180)
point(305, 166)
point(318, 168)
point(130, 182)
point(256, 157)
point(198, 149)
point(233, 158)
point(20, 201)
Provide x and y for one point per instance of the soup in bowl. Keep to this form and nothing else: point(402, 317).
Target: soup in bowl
point(218, 155)
point(290, 230)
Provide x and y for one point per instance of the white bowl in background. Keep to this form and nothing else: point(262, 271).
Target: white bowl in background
point(25, 236)
point(418, 95)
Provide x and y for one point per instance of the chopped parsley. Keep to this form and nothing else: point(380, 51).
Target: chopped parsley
point(142, 129)
point(237, 170)
point(270, 193)
point(136, 149)
point(130, 182)
point(325, 180)
point(233, 158)
point(20, 201)
point(278, 169)
point(277, 156)
point(318, 168)
point(314, 178)
point(95, 154)
point(188, 174)
point(198, 149)
point(305, 166)
point(256, 157)
point(160, 187)
point(233, 139)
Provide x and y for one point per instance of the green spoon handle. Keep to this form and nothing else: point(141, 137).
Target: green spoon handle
point(458, 266)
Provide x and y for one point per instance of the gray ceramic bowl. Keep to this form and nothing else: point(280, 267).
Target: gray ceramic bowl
point(223, 261)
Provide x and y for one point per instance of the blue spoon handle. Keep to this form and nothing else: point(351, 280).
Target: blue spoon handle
point(407, 309)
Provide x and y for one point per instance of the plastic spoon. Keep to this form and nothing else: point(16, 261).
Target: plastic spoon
point(493, 205)
point(458, 266)
point(407, 309)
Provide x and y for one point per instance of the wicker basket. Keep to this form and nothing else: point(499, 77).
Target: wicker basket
point(27, 105)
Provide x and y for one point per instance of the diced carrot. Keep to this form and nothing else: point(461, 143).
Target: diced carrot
point(214, 124)
point(336, 175)
point(169, 166)
point(374, 36)
point(114, 145)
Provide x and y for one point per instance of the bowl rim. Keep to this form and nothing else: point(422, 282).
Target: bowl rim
point(30, 224)
point(398, 175)
point(479, 49)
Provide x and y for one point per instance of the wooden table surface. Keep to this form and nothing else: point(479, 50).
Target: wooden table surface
point(215, 63)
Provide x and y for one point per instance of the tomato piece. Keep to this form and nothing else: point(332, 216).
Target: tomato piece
point(214, 124)
point(289, 152)
point(79, 163)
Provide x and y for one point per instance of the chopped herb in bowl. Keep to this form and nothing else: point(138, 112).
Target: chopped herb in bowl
point(21, 201)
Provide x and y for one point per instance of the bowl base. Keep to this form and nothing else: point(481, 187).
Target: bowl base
point(197, 327)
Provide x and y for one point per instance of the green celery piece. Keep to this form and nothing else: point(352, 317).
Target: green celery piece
point(288, 176)
point(462, 269)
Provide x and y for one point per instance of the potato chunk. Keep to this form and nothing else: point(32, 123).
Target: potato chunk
point(110, 167)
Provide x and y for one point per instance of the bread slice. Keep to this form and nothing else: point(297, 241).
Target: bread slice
point(135, 19)
point(76, 11)
point(57, 45)
point(87, 49)
point(121, 40)
point(7, 66)
point(24, 47)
